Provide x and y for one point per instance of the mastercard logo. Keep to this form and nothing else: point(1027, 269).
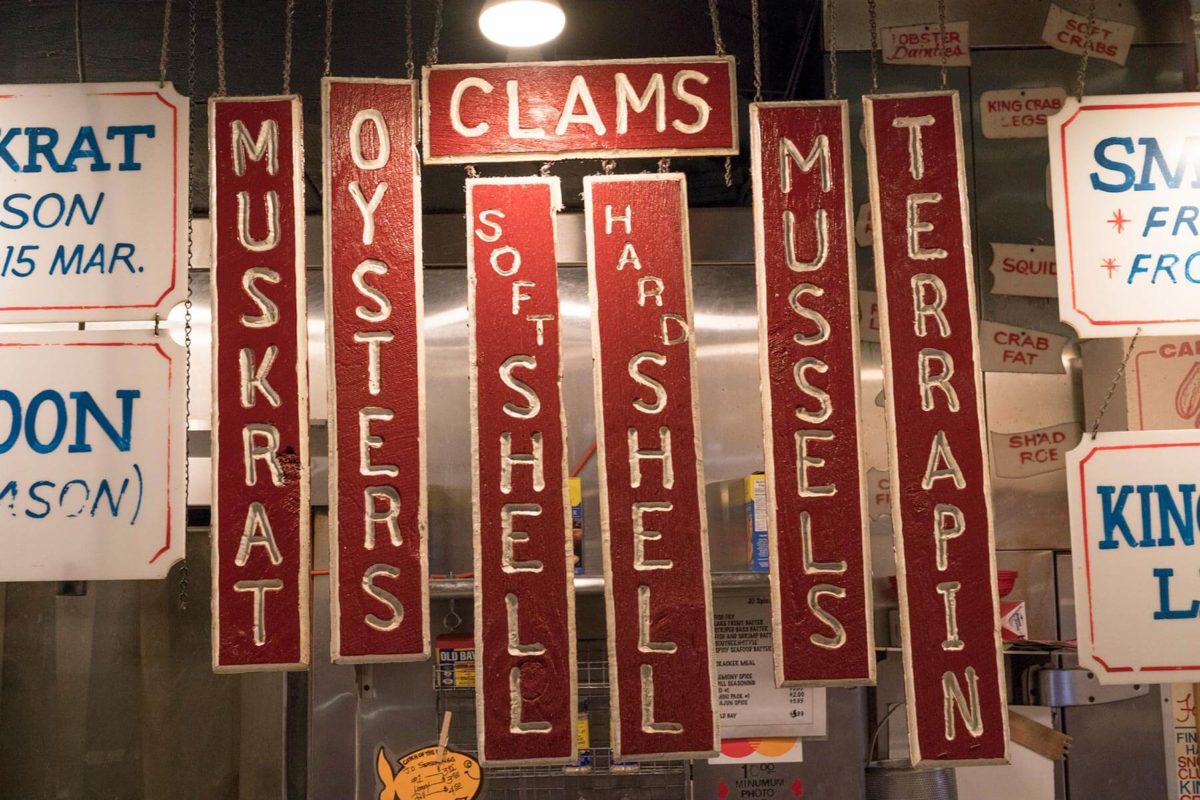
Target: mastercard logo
point(767, 748)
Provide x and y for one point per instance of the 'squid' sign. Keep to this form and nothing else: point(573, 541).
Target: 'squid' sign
point(524, 590)
point(93, 201)
point(91, 456)
point(808, 323)
point(260, 503)
point(652, 511)
point(580, 109)
point(378, 559)
point(1126, 186)
point(941, 506)
point(1133, 534)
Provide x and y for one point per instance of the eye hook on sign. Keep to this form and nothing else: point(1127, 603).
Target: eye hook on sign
point(452, 621)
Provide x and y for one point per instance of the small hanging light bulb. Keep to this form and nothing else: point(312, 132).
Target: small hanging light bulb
point(522, 23)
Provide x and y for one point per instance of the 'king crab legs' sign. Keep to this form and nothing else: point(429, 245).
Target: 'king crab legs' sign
point(260, 504)
point(941, 506)
point(379, 591)
point(652, 515)
point(580, 109)
point(524, 590)
point(1126, 188)
point(808, 321)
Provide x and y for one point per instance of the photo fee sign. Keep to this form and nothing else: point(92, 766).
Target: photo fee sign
point(93, 201)
point(91, 455)
point(1126, 186)
point(374, 341)
point(260, 502)
point(524, 591)
point(808, 322)
point(1137, 571)
point(580, 109)
point(657, 588)
point(940, 498)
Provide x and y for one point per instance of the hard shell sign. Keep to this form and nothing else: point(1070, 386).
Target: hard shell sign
point(1126, 189)
point(93, 201)
point(1137, 571)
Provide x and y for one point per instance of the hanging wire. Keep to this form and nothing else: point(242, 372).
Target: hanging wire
point(754, 22)
point(941, 10)
point(409, 65)
point(831, 17)
point(719, 47)
point(873, 20)
point(328, 38)
point(432, 56)
point(288, 26)
point(164, 51)
point(219, 22)
point(1112, 387)
point(1081, 75)
point(80, 70)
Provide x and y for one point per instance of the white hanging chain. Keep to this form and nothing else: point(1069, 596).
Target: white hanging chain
point(1081, 75)
point(609, 165)
point(328, 38)
point(288, 27)
point(164, 51)
point(432, 56)
point(831, 17)
point(873, 20)
point(409, 64)
point(544, 170)
point(941, 10)
point(754, 22)
point(219, 22)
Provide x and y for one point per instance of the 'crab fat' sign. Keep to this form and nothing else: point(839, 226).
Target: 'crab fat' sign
point(377, 529)
point(1133, 534)
point(941, 512)
point(1125, 178)
point(260, 504)
point(652, 516)
point(808, 323)
point(524, 590)
point(93, 201)
point(580, 109)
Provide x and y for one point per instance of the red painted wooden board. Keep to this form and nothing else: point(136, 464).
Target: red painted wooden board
point(378, 559)
point(808, 349)
point(941, 507)
point(525, 695)
point(652, 515)
point(580, 109)
point(260, 505)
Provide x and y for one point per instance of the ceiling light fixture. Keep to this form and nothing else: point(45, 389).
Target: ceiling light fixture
point(521, 23)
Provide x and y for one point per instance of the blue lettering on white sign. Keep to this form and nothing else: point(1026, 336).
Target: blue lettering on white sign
point(42, 146)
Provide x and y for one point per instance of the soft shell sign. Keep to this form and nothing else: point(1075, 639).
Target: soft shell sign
point(1126, 185)
point(91, 456)
point(93, 201)
point(1137, 570)
point(580, 109)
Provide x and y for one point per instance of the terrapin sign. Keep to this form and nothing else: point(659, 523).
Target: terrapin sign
point(1137, 570)
point(1126, 189)
point(93, 201)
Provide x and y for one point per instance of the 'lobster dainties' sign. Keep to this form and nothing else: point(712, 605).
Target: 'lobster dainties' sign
point(941, 512)
point(808, 347)
point(652, 513)
point(260, 503)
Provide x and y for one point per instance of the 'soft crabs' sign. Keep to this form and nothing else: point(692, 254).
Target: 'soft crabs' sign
point(1125, 176)
point(93, 201)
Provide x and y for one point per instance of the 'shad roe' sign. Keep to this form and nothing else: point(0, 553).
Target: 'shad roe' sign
point(93, 201)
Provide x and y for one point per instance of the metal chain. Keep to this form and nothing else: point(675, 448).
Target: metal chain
point(873, 20)
point(432, 56)
point(544, 170)
point(1112, 387)
point(715, 19)
point(328, 38)
point(728, 172)
point(664, 166)
point(754, 22)
point(409, 66)
point(941, 10)
point(1081, 75)
point(471, 171)
point(288, 26)
point(219, 21)
point(165, 49)
point(831, 16)
point(609, 165)
point(187, 308)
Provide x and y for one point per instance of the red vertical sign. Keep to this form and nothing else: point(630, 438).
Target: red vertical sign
point(260, 505)
point(808, 347)
point(652, 515)
point(524, 586)
point(377, 531)
point(941, 507)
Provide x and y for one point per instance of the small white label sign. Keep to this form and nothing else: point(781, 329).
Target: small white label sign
point(1024, 454)
point(91, 455)
point(1007, 348)
point(93, 201)
point(1019, 113)
point(919, 44)
point(1028, 270)
point(1068, 32)
point(1137, 570)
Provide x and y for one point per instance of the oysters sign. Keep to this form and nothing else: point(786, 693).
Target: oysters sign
point(93, 194)
point(1126, 189)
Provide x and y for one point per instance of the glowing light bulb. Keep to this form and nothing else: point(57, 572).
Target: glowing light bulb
point(521, 23)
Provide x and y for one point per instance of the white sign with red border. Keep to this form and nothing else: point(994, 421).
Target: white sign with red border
point(1137, 572)
point(93, 201)
point(1127, 214)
